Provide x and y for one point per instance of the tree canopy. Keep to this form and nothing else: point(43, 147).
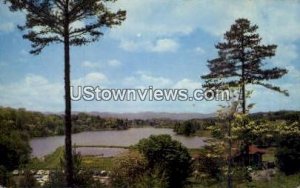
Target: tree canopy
point(50, 21)
point(168, 156)
point(240, 61)
point(73, 23)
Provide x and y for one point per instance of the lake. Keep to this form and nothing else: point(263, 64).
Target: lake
point(46, 145)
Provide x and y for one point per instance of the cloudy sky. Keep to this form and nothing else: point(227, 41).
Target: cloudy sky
point(162, 43)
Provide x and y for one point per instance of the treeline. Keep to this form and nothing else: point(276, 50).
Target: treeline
point(280, 115)
point(37, 124)
point(191, 127)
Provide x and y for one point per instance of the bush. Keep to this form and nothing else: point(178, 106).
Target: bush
point(128, 170)
point(27, 181)
point(211, 161)
point(168, 157)
point(288, 154)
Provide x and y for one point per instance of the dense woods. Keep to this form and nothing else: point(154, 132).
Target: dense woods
point(36, 124)
point(233, 147)
point(272, 129)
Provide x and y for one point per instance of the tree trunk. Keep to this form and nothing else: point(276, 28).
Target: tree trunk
point(68, 121)
point(243, 79)
point(229, 175)
point(243, 97)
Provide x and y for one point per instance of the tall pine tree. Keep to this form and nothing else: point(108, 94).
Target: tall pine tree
point(240, 61)
point(54, 21)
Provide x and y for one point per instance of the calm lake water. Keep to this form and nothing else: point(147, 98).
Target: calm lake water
point(46, 145)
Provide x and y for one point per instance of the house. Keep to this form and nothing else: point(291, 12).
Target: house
point(252, 158)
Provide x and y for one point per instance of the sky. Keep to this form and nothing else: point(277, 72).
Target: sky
point(162, 43)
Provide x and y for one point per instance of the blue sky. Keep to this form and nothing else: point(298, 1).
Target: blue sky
point(162, 43)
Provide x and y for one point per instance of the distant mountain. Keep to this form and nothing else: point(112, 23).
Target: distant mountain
point(153, 115)
point(283, 114)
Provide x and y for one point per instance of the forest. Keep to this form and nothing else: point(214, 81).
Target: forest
point(251, 140)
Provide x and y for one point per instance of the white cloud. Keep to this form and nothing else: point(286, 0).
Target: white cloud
point(187, 84)
point(114, 63)
point(160, 45)
point(278, 21)
point(91, 79)
point(34, 92)
point(9, 19)
point(268, 100)
point(294, 73)
point(286, 53)
point(199, 50)
point(144, 79)
point(165, 45)
point(35, 80)
point(157, 81)
point(90, 64)
point(130, 45)
point(77, 25)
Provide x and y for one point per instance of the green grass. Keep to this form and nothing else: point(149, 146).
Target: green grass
point(203, 133)
point(269, 156)
point(52, 161)
point(279, 181)
point(102, 146)
point(102, 163)
point(194, 152)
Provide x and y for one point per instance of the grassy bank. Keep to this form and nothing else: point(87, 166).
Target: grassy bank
point(279, 181)
point(101, 146)
point(52, 161)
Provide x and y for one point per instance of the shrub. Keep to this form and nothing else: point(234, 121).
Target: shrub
point(168, 157)
point(288, 154)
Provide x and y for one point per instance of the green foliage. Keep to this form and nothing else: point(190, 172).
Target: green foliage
point(216, 132)
point(185, 129)
point(54, 18)
point(255, 132)
point(286, 134)
point(27, 181)
point(211, 161)
point(4, 176)
point(291, 116)
point(54, 21)
point(263, 132)
point(82, 177)
point(56, 179)
point(153, 179)
point(190, 127)
point(53, 161)
point(167, 156)
point(36, 124)
point(241, 56)
point(14, 149)
point(14, 146)
point(128, 170)
point(240, 62)
point(288, 154)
